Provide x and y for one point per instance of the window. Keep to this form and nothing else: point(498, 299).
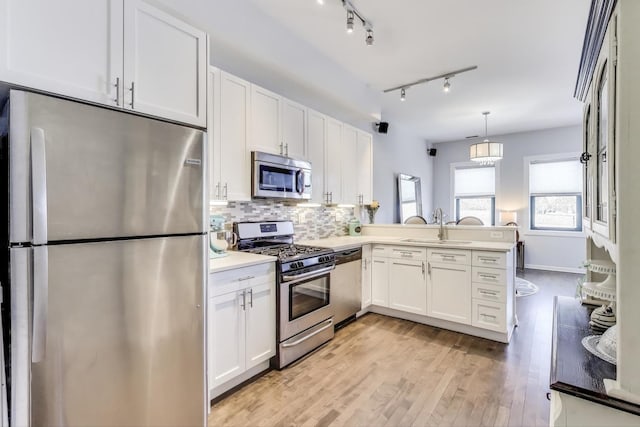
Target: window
point(475, 193)
point(555, 194)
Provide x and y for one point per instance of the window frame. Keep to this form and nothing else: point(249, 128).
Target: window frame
point(454, 198)
point(486, 196)
point(532, 209)
point(527, 195)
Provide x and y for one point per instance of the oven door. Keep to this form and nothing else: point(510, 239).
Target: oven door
point(304, 302)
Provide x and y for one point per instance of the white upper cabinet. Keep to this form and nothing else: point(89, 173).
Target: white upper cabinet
point(365, 162)
point(294, 129)
point(68, 47)
point(165, 65)
point(316, 143)
point(266, 112)
point(278, 125)
point(350, 165)
point(229, 159)
point(120, 53)
point(333, 188)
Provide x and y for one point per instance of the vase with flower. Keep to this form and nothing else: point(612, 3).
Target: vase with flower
point(371, 210)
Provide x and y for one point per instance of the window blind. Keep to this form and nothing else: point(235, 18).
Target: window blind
point(475, 181)
point(555, 177)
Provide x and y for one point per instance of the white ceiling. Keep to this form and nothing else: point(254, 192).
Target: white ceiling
point(527, 53)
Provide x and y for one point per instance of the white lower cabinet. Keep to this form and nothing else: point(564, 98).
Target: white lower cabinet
point(472, 288)
point(260, 324)
point(449, 288)
point(492, 284)
point(226, 325)
point(407, 286)
point(241, 322)
point(366, 276)
point(380, 281)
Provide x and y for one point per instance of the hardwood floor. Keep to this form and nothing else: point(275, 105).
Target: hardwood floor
point(383, 371)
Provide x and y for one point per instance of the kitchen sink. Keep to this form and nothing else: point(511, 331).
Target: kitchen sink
point(438, 242)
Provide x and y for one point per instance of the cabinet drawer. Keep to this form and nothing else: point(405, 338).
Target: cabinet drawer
point(380, 250)
point(489, 259)
point(408, 252)
point(241, 278)
point(448, 256)
point(489, 315)
point(492, 276)
point(489, 292)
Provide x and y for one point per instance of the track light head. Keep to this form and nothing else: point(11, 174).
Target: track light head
point(350, 18)
point(403, 94)
point(447, 84)
point(369, 38)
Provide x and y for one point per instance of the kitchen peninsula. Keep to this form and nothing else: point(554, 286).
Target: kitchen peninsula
point(465, 282)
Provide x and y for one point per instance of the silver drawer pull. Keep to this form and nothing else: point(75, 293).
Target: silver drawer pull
point(488, 276)
point(491, 316)
point(484, 292)
point(245, 278)
point(488, 259)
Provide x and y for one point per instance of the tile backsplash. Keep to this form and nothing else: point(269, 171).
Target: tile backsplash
point(309, 222)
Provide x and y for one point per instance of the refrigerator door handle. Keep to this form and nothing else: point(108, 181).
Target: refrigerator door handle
point(40, 302)
point(39, 186)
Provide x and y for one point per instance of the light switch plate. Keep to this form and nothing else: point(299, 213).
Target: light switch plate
point(496, 235)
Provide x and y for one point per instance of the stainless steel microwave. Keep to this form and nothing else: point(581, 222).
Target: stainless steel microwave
point(280, 177)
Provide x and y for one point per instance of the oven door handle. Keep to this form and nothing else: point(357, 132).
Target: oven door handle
point(303, 276)
point(329, 323)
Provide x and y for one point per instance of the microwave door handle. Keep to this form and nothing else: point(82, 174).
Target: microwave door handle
point(300, 181)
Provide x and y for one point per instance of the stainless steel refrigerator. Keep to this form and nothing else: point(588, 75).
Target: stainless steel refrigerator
point(107, 250)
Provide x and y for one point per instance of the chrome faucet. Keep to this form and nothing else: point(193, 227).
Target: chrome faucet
point(439, 216)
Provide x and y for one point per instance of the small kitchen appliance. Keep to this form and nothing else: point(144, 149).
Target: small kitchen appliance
point(280, 177)
point(303, 304)
point(217, 242)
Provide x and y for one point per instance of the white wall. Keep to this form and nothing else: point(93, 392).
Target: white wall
point(546, 250)
point(399, 152)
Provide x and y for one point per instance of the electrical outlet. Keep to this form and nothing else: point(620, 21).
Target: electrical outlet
point(496, 234)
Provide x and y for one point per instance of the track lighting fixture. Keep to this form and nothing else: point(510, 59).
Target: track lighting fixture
point(445, 76)
point(403, 94)
point(352, 14)
point(349, 22)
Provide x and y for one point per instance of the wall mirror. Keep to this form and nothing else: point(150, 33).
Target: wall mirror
point(409, 196)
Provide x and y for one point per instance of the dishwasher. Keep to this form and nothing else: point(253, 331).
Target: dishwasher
point(346, 285)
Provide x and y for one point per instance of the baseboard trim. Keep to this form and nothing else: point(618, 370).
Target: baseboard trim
point(577, 270)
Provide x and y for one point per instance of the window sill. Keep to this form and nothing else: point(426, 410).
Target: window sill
point(550, 233)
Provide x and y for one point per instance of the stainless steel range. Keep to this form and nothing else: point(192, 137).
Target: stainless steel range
point(304, 311)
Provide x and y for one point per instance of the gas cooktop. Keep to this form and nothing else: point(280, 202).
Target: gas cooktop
point(289, 251)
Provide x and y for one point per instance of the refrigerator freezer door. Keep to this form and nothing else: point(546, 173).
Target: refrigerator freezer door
point(100, 173)
point(124, 335)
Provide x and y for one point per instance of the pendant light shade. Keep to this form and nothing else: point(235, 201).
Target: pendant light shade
point(485, 152)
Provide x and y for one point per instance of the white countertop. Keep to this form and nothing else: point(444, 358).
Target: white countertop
point(346, 242)
point(237, 260)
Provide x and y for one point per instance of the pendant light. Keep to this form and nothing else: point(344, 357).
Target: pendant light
point(486, 152)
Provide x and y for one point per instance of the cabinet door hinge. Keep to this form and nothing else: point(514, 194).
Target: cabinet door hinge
point(614, 51)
